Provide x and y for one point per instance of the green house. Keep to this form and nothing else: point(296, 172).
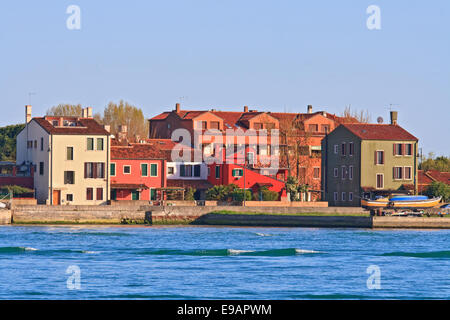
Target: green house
point(367, 160)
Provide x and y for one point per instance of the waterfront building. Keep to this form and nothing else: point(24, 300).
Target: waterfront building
point(69, 156)
point(366, 160)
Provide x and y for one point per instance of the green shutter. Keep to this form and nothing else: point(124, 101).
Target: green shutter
point(217, 172)
point(154, 170)
point(100, 144)
point(144, 169)
point(113, 169)
point(182, 170)
point(90, 143)
point(152, 194)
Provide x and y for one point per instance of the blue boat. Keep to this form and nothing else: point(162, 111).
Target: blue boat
point(408, 198)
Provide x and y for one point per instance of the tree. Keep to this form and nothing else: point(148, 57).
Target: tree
point(8, 137)
point(189, 195)
point(292, 187)
point(431, 162)
point(66, 110)
point(355, 116)
point(439, 189)
point(124, 113)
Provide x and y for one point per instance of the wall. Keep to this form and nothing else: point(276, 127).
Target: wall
point(5, 217)
point(26, 182)
point(80, 156)
point(176, 175)
point(411, 222)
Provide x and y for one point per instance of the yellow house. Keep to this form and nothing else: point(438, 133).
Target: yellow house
point(70, 156)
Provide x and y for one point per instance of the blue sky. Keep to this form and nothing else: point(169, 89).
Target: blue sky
point(224, 54)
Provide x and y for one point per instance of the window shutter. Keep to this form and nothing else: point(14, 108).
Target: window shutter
point(395, 149)
point(395, 173)
point(382, 157)
point(94, 170)
point(85, 170)
point(182, 170)
point(403, 149)
point(376, 157)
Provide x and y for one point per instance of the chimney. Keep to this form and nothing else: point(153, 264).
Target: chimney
point(61, 121)
point(107, 128)
point(177, 108)
point(245, 108)
point(123, 128)
point(310, 109)
point(122, 134)
point(27, 113)
point(89, 112)
point(84, 113)
point(394, 117)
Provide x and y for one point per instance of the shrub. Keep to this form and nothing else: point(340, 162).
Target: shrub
point(268, 195)
point(221, 192)
point(238, 195)
point(189, 194)
point(439, 189)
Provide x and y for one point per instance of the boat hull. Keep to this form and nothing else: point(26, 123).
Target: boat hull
point(374, 203)
point(419, 204)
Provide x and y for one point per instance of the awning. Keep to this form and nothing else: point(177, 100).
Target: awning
point(196, 184)
point(128, 186)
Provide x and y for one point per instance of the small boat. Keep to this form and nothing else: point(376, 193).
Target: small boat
point(415, 202)
point(380, 202)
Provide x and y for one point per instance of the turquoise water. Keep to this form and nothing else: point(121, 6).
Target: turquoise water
point(222, 263)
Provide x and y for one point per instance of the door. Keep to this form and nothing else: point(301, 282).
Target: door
point(56, 197)
point(134, 195)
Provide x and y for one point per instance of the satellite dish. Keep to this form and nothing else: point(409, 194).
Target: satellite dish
point(380, 120)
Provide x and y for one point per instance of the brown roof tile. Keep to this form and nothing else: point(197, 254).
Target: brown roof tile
point(84, 126)
point(137, 151)
point(379, 131)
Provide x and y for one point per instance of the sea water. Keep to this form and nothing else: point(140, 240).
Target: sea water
point(83, 262)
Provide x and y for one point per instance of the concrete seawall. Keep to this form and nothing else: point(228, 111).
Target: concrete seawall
point(411, 222)
point(5, 217)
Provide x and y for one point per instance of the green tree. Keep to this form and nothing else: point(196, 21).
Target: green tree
point(66, 110)
point(439, 189)
point(220, 192)
point(189, 195)
point(292, 187)
point(435, 163)
point(8, 137)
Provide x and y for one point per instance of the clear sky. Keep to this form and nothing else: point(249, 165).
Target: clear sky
point(273, 55)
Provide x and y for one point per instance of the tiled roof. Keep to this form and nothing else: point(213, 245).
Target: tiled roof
point(434, 175)
point(196, 184)
point(84, 126)
point(379, 131)
point(137, 151)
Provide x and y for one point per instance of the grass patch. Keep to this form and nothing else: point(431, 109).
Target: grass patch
point(304, 214)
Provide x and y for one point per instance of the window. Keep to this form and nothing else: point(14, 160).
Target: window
point(398, 173)
point(29, 144)
point(203, 125)
point(336, 149)
point(380, 181)
point(152, 194)
point(250, 157)
point(408, 149)
point(313, 128)
point(89, 194)
point(316, 173)
point(113, 169)
point(336, 172)
point(343, 172)
point(197, 170)
point(217, 172)
point(351, 149)
point(126, 169)
point(209, 171)
point(350, 196)
point(350, 172)
point(69, 153)
point(302, 172)
point(41, 168)
point(335, 196)
point(408, 173)
point(42, 144)
point(379, 157)
point(69, 197)
point(343, 148)
point(35, 144)
point(325, 128)
point(238, 172)
point(94, 170)
point(144, 169)
point(100, 144)
point(69, 177)
point(185, 170)
point(215, 125)
point(398, 149)
point(99, 193)
point(154, 170)
point(258, 126)
point(170, 170)
point(343, 196)
point(90, 144)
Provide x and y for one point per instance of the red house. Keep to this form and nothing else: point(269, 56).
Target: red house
point(137, 172)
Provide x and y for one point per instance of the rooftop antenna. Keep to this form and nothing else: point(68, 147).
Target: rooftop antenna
point(29, 97)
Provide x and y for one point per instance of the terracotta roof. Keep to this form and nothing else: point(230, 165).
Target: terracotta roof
point(137, 151)
point(161, 116)
point(84, 126)
point(379, 131)
point(434, 175)
point(196, 184)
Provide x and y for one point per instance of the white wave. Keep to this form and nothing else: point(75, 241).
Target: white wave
point(90, 252)
point(30, 249)
point(303, 251)
point(263, 234)
point(236, 252)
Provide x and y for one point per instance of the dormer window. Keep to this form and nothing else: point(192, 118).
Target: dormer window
point(258, 126)
point(55, 123)
point(215, 125)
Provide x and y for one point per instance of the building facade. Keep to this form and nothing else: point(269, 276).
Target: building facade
point(70, 156)
point(366, 160)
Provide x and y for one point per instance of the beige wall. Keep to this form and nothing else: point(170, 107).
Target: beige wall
point(80, 156)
